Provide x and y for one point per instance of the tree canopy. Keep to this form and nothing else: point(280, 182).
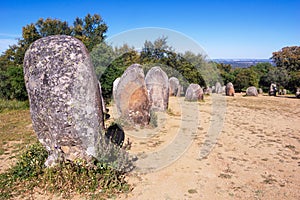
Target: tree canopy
point(90, 30)
point(288, 58)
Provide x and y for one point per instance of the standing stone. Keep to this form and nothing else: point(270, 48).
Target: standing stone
point(213, 89)
point(132, 97)
point(173, 86)
point(260, 91)
point(273, 89)
point(115, 84)
point(298, 93)
point(284, 92)
point(224, 89)
point(251, 91)
point(194, 93)
point(157, 84)
point(64, 95)
point(207, 90)
point(218, 88)
point(229, 90)
point(179, 91)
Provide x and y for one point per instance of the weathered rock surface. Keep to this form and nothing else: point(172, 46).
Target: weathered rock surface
point(260, 91)
point(65, 99)
point(273, 89)
point(229, 90)
point(132, 99)
point(179, 91)
point(115, 84)
point(298, 93)
point(157, 84)
point(213, 89)
point(173, 86)
point(251, 91)
point(218, 88)
point(194, 93)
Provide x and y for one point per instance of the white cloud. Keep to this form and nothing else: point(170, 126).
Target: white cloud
point(4, 44)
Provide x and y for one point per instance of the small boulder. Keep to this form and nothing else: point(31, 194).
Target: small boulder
point(173, 86)
point(194, 93)
point(273, 89)
point(229, 90)
point(298, 93)
point(251, 91)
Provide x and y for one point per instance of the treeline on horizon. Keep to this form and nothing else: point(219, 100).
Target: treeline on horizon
point(110, 62)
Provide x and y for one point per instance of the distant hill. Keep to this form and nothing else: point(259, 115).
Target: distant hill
point(242, 63)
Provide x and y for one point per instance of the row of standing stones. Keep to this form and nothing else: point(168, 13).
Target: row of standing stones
point(66, 104)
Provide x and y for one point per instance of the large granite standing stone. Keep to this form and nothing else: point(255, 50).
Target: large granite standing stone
point(229, 90)
point(251, 91)
point(132, 99)
point(65, 99)
point(157, 84)
point(173, 86)
point(194, 93)
point(218, 88)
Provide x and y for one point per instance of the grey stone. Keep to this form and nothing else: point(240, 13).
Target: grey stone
point(218, 88)
point(157, 84)
point(207, 90)
point(65, 99)
point(173, 86)
point(251, 91)
point(115, 84)
point(260, 91)
point(229, 90)
point(179, 91)
point(194, 93)
point(104, 109)
point(284, 92)
point(298, 93)
point(213, 89)
point(273, 89)
point(132, 99)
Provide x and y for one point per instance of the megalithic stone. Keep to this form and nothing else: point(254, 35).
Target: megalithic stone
point(64, 95)
point(157, 84)
point(132, 99)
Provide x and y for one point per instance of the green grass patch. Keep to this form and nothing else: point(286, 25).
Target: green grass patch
point(93, 179)
point(7, 105)
point(15, 127)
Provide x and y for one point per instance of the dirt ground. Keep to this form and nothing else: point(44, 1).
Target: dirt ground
point(223, 148)
point(256, 155)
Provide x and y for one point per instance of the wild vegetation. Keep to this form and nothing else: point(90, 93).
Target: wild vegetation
point(100, 178)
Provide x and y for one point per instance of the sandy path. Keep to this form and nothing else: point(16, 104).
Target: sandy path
point(256, 155)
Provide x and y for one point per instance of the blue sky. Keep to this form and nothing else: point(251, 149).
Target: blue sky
point(224, 29)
